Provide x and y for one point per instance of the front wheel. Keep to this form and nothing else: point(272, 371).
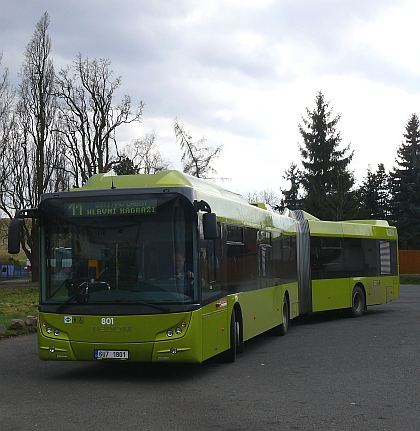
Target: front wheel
point(358, 302)
point(230, 354)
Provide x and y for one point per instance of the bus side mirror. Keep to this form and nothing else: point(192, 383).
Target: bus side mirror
point(15, 227)
point(210, 226)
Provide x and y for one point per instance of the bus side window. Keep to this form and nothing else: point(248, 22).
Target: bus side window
point(251, 255)
point(235, 256)
point(264, 254)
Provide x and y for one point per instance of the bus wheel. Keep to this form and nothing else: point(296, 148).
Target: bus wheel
point(284, 326)
point(357, 302)
point(239, 336)
point(230, 354)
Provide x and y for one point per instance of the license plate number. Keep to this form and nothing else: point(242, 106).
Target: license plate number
point(111, 354)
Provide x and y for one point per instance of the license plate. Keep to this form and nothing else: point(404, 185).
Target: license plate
point(111, 354)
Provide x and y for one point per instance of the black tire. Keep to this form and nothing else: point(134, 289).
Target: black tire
point(239, 336)
point(230, 354)
point(284, 326)
point(358, 302)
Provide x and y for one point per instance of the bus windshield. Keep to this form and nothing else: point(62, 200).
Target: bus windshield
point(123, 249)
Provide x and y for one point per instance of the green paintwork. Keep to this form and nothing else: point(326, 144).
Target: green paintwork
point(336, 293)
point(379, 229)
point(79, 339)
point(206, 331)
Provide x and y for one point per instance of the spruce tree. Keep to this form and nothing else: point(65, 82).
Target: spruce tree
point(326, 179)
point(373, 194)
point(291, 199)
point(405, 187)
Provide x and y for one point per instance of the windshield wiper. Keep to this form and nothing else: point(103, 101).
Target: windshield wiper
point(65, 304)
point(85, 289)
point(148, 304)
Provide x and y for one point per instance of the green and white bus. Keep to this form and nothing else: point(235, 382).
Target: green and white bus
point(172, 268)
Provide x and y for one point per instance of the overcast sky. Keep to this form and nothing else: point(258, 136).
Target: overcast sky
point(241, 73)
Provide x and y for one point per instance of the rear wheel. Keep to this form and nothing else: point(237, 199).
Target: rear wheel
point(284, 326)
point(358, 302)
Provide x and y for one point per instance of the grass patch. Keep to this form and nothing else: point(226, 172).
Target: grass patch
point(409, 279)
point(17, 302)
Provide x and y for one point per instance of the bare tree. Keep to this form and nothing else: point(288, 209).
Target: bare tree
point(32, 154)
point(7, 96)
point(88, 117)
point(145, 155)
point(267, 196)
point(197, 157)
point(55, 131)
point(7, 120)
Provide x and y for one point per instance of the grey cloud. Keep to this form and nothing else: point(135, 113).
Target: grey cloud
point(174, 62)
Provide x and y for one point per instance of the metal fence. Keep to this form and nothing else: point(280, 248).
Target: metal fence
point(14, 271)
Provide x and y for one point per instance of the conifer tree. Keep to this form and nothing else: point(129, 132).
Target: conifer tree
point(291, 198)
point(405, 187)
point(373, 194)
point(326, 179)
point(125, 166)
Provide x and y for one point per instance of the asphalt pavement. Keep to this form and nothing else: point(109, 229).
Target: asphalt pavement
point(330, 372)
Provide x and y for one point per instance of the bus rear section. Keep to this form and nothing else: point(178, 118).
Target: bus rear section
point(351, 264)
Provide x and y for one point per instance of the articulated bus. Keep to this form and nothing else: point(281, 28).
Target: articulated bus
point(172, 268)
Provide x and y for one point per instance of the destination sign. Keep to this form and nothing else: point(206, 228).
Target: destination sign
point(111, 208)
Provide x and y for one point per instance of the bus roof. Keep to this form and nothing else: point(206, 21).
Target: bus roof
point(171, 178)
point(233, 207)
point(228, 206)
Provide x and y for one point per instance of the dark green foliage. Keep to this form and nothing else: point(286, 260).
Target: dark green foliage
point(126, 166)
point(405, 187)
point(373, 194)
point(325, 178)
point(291, 197)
